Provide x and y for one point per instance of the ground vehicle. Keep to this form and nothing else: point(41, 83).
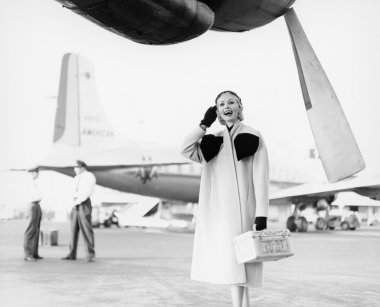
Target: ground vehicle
point(151, 215)
point(104, 214)
point(338, 217)
point(325, 218)
point(111, 219)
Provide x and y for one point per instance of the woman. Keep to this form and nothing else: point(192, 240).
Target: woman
point(233, 196)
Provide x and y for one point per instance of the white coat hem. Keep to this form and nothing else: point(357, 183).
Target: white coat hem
point(254, 284)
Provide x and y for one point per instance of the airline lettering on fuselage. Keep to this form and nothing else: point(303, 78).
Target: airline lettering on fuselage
point(97, 132)
point(90, 118)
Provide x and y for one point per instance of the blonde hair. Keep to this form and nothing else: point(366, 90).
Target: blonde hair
point(240, 114)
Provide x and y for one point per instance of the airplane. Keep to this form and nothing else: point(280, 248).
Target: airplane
point(321, 195)
point(164, 22)
point(82, 131)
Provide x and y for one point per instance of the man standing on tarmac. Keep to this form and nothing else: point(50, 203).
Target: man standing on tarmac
point(32, 232)
point(80, 216)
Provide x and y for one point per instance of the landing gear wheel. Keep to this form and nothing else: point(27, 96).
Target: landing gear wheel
point(291, 223)
point(320, 224)
point(344, 226)
point(107, 223)
point(302, 224)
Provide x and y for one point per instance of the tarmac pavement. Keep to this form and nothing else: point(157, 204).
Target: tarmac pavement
point(137, 267)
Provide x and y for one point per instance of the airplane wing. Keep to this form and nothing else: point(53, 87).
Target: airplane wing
point(63, 157)
point(107, 167)
point(366, 186)
point(173, 21)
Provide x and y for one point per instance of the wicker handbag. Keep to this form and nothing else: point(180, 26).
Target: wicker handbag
point(265, 245)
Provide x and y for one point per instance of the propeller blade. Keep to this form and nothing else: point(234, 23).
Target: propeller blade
point(336, 144)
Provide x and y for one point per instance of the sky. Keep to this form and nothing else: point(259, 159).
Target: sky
point(159, 93)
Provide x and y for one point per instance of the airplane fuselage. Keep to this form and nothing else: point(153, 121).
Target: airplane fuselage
point(173, 186)
point(164, 185)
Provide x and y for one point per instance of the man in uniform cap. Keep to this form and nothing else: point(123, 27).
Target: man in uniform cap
point(80, 216)
point(32, 232)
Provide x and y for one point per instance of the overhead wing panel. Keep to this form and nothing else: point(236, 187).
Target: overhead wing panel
point(336, 144)
point(155, 22)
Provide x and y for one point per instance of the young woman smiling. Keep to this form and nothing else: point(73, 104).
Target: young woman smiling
point(233, 196)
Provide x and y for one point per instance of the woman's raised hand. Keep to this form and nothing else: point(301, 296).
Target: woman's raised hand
point(210, 117)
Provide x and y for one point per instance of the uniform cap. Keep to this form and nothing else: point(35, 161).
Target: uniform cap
point(81, 163)
point(34, 169)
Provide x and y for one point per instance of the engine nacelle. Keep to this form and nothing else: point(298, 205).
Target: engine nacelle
point(245, 15)
point(156, 22)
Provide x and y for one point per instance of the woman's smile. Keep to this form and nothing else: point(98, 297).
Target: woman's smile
point(228, 112)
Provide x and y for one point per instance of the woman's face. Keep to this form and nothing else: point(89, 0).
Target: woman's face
point(228, 107)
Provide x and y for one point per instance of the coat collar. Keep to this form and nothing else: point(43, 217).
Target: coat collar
point(245, 144)
point(234, 129)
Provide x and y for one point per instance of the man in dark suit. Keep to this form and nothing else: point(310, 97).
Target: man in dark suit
point(32, 232)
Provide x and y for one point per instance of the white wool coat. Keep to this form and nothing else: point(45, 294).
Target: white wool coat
point(232, 193)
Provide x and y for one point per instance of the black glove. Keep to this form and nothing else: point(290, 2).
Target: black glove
point(210, 117)
point(261, 223)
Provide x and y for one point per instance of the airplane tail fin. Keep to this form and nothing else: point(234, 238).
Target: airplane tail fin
point(80, 120)
point(82, 130)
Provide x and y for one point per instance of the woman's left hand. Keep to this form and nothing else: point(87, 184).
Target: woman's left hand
point(261, 223)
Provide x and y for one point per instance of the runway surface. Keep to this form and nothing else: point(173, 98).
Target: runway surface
point(152, 268)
